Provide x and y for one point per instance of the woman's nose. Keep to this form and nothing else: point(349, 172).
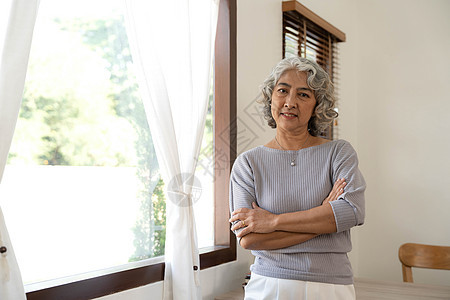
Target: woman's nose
point(290, 102)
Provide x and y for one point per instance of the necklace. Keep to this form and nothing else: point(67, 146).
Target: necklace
point(295, 156)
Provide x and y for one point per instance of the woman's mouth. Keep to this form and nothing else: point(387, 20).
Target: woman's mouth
point(288, 115)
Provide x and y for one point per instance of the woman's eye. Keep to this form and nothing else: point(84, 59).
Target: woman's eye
point(303, 95)
point(282, 91)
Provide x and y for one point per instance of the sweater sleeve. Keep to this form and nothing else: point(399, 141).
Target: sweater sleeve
point(349, 208)
point(242, 189)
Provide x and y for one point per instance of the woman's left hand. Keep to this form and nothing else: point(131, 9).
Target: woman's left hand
point(253, 220)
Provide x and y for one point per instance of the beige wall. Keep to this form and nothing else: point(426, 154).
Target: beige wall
point(403, 130)
point(394, 109)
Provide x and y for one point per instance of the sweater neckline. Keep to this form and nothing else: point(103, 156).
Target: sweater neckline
point(297, 151)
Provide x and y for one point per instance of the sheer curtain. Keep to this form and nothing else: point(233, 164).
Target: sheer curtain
point(172, 45)
point(17, 19)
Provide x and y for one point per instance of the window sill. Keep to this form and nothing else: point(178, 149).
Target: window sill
point(104, 282)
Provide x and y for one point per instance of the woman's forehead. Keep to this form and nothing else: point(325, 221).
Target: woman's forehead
point(292, 75)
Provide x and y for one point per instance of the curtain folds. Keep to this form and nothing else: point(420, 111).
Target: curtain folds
point(172, 47)
point(16, 31)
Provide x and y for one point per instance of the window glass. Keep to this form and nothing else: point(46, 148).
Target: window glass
point(82, 189)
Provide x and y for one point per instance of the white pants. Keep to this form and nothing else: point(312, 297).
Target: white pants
point(269, 288)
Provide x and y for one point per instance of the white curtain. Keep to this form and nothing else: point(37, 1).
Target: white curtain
point(17, 19)
point(172, 46)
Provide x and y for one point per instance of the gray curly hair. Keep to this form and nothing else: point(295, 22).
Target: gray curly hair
point(317, 79)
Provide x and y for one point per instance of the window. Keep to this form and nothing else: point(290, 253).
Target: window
point(141, 269)
point(81, 149)
point(305, 34)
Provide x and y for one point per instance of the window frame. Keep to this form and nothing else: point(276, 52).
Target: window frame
point(100, 283)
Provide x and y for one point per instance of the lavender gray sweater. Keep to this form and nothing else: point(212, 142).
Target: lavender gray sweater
point(265, 175)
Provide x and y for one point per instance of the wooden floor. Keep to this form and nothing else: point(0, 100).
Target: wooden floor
point(233, 295)
point(368, 289)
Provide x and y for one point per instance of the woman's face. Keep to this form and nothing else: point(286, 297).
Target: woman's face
point(293, 102)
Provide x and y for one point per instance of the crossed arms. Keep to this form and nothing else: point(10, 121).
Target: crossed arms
point(258, 229)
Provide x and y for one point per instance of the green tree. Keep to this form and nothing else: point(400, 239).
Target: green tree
point(150, 236)
point(65, 107)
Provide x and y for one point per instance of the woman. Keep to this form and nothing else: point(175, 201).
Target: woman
point(294, 200)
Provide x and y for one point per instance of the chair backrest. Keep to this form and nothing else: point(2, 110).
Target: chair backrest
point(422, 256)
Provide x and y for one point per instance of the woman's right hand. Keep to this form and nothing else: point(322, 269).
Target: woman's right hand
point(337, 190)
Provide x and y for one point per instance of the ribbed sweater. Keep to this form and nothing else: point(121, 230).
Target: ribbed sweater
point(265, 176)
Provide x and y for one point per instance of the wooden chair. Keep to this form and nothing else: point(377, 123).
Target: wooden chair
point(422, 256)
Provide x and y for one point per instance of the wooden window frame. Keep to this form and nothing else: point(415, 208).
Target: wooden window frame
point(310, 15)
point(98, 284)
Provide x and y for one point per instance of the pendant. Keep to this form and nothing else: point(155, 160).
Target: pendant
point(292, 163)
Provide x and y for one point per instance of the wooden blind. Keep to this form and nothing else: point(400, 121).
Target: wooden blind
point(307, 35)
